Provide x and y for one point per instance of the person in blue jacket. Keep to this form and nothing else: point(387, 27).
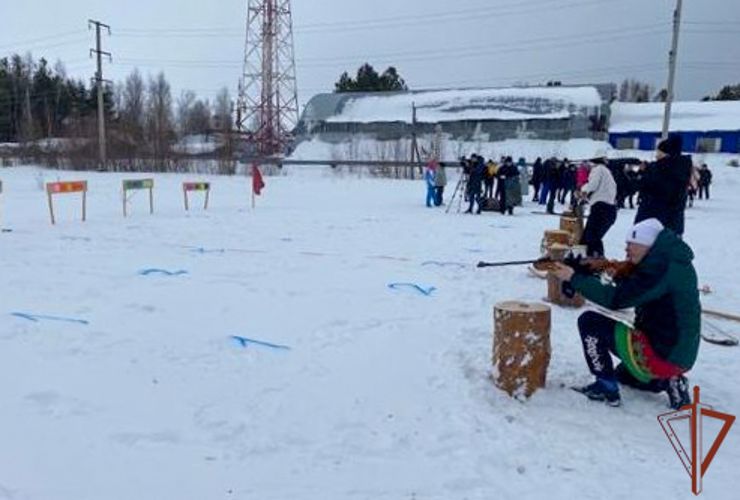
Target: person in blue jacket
point(429, 177)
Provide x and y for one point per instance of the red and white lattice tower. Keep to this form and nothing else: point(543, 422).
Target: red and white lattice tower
point(268, 99)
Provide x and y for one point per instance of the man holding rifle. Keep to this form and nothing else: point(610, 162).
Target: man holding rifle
point(664, 341)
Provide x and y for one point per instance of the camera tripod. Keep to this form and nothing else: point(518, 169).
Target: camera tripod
point(458, 193)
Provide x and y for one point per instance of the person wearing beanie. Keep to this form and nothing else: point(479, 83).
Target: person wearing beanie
point(663, 186)
point(663, 343)
point(601, 193)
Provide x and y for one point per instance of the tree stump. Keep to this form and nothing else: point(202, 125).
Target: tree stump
point(554, 286)
point(553, 236)
point(574, 227)
point(521, 347)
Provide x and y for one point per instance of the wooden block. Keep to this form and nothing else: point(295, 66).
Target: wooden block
point(521, 347)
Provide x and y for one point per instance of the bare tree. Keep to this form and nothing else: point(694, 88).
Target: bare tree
point(159, 119)
point(132, 106)
point(184, 112)
point(200, 117)
point(631, 90)
point(224, 123)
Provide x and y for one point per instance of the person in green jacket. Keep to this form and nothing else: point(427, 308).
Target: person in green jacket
point(664, 342)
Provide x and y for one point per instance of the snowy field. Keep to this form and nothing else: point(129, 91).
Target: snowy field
point(382, 394)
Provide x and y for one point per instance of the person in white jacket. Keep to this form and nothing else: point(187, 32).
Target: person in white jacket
point(601, 193)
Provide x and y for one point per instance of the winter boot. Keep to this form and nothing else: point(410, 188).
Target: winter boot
point(678, 392)
point(602, 390)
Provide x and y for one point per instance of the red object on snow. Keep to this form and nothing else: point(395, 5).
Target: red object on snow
point(257, 182)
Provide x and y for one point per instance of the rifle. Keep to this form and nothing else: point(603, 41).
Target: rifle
point(584, 265)
point(514, 262)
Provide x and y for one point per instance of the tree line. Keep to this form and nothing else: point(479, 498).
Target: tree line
point(143, 119)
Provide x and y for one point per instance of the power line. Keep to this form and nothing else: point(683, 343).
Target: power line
point(426, 54)
point(34, 41)
point(341, 26)
point(76, 41)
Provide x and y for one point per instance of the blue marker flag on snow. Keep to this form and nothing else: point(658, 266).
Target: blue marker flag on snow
point(244, 342)
point(37, 317)
point(147, 272)
point(424, 291)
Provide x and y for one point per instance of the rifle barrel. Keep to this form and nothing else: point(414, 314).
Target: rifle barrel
point(507, 263)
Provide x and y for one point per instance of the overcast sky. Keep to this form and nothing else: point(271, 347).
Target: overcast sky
point(433, 43)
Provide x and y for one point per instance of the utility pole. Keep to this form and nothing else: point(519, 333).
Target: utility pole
point(672, 69)
point(100, 81)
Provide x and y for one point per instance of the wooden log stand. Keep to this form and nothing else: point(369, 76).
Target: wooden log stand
point(521, 347)
point(553, 236)
point(555, 294)
point(574, 227)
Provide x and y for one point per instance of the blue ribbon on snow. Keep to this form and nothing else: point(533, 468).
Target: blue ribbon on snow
point(424, 291)
point(443, 264)
point(147, 272)
point(37, 317)
point(244, 342)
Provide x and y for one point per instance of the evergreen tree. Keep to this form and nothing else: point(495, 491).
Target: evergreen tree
point(368, 80)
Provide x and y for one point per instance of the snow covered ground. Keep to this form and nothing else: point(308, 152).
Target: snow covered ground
point(383, 394)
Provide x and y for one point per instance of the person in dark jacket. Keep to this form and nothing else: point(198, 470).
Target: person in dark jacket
point(617, 168)
point(633, 180)
point(663, 184)
point(537, 178)
point(475, 183)
point(663, 343)
point(551, 185)
point(705, 180)
point(510, 193)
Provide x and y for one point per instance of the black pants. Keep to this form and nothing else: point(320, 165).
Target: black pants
point(489, 189)
point(600, 220)
point(704, 191)
point(536, 187)
point(439, 192)
point(598, 336)
point(551, 200)
point(474, 198)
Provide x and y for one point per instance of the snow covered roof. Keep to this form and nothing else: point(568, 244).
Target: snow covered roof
point(685, 116)
point(434, 106)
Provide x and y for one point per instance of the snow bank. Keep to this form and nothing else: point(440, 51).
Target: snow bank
point(478, 104)
point(370, 149)
point(685, 116)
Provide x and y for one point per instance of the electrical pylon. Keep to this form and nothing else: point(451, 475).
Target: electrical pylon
point(268, 98)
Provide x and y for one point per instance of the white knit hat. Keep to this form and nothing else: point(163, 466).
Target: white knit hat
point(645, 232)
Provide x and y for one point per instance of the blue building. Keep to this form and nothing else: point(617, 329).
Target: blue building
point(705, 127)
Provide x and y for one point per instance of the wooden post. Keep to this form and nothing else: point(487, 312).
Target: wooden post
point(554, 236)
point(124, 199)
point(208, 191)
point(84, 203)
point(574, 227)
point(185, 194)
point(51, 207)
point(521, 347)
point(151, 200)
